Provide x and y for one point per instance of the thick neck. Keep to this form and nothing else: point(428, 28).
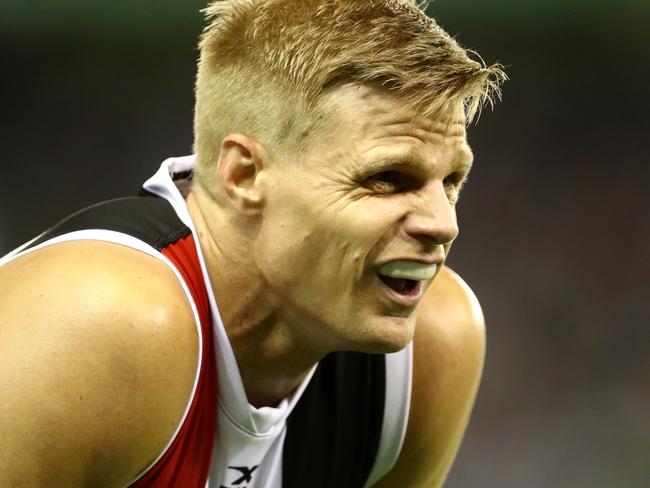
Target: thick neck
point(268, 346)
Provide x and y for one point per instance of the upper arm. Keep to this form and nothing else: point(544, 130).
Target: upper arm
point(449, 350)
point(96, 364)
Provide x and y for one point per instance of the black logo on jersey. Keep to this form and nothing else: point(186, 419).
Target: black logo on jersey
point(246, 475)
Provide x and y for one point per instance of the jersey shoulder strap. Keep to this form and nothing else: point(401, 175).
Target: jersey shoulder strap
point(150, 219)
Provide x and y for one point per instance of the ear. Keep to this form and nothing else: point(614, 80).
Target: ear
point(240, 165)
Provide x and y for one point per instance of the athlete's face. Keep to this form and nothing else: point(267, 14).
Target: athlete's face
point(353, 234)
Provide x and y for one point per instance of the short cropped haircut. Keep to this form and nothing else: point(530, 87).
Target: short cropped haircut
point(265, 64)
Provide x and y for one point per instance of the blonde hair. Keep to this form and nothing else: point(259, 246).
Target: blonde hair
point(265, 64)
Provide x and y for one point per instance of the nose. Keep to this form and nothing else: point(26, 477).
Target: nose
point(433, 217)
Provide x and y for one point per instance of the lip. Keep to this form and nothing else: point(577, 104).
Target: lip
point(410, 300)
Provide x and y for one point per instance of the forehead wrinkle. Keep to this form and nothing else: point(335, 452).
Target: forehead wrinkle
point(457, 144)
point(393, 125)
point(414, 158)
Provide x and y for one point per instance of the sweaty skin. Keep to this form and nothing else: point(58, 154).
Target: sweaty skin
point(98, 364)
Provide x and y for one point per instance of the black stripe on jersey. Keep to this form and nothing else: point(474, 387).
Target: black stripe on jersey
point(333, 433)
point(150, 219)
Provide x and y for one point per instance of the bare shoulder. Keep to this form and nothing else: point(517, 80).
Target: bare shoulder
point(449, 350)
point(99, 352)
point(450, 310)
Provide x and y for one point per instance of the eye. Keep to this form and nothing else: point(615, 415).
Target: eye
point(387, 182)
point(453, 184)
point(451, 180)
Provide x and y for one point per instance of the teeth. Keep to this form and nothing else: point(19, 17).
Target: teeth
point(408, 270)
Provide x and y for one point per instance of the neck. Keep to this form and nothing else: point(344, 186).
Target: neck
point(270, 352)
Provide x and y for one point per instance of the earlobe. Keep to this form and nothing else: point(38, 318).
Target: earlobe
point(240, 164)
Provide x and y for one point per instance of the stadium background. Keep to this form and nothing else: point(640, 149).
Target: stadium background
point(554, 221)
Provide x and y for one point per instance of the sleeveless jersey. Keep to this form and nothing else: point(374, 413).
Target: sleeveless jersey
point(342, 427)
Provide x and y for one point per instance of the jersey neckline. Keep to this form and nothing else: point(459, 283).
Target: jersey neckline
point(232, 399)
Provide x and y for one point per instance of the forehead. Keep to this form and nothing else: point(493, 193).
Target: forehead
point(368, 121)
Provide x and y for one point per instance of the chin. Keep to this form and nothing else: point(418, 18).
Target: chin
point(391, 334)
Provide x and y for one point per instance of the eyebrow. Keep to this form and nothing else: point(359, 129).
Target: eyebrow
point(462, 162)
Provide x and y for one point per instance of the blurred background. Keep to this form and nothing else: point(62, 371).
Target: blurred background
point(554, 221)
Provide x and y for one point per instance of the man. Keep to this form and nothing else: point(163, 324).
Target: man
point(286, 284)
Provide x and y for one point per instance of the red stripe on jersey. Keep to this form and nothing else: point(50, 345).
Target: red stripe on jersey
point(186, 463)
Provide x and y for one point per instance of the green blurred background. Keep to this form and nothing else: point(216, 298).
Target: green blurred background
point(554, 222)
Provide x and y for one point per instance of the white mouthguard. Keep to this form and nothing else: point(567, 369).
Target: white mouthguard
point(409, 270)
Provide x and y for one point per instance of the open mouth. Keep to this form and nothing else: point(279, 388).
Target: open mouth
point(405, 279)
point(402, 286)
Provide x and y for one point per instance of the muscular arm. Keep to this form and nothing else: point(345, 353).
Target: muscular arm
point(449, 349)
point(96, 364)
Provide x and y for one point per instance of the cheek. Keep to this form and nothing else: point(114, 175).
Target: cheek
point(348, 236)
point(294, 244)
point(377, 223)
point(320, 234)
point(355, 235)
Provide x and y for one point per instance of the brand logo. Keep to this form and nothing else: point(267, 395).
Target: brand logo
point(245, 476)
